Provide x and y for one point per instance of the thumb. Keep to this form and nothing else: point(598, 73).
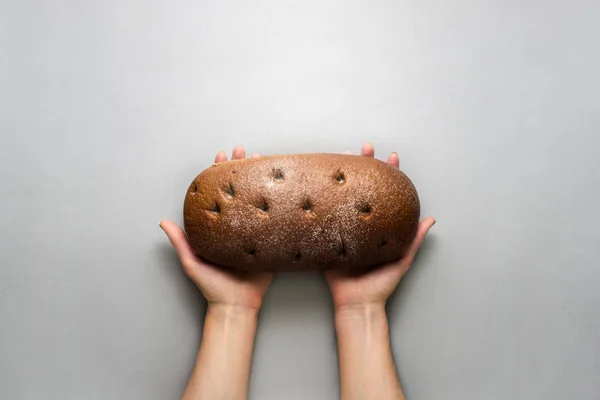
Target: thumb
point(180, 243)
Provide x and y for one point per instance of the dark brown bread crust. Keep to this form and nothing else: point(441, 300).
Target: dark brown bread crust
point(301, 212)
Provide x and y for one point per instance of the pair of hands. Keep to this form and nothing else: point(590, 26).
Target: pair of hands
point(243, 290)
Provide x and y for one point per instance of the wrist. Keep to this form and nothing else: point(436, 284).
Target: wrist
point(231, 311)
point(359, 310)
point(360, 316)
point(228, 325)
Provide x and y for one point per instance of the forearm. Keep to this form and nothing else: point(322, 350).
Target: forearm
point(223, 364)
point(367, 369)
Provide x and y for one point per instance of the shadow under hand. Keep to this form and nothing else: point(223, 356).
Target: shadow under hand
point(298, 303)
point(398, 301)
point(297, 294)
point(186, 292)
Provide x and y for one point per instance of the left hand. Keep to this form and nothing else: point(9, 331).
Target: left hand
point(221, 287)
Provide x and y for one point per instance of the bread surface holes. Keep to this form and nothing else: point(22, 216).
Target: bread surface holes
point(215, 210)
point(278, 175)
point(339, 176)
point(364, 209)
point(341, 248)
point(263, 206)
point(229, 191)
point(307, 205)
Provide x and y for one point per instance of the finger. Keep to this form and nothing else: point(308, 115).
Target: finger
point(238, 153)
point(394, 160)
point(367, 150)
point(220, 157)
point(424, 227)
point(347, 152)
point(179, 242)
point(255, 155)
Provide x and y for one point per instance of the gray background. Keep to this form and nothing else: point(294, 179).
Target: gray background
point(108, 109)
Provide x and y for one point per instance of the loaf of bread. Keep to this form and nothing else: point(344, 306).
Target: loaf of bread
point(301, 212)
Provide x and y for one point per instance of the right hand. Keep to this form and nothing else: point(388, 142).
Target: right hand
point(351, 290)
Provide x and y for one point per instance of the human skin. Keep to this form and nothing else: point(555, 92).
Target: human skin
point(222, 369)
point(367, 369)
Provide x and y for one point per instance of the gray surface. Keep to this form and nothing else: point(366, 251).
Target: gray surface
point(108, 109)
